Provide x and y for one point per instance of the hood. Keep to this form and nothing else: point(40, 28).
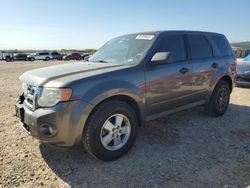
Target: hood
point(42, 76)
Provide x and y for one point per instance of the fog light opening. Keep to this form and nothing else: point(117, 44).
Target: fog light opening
point(48, 130)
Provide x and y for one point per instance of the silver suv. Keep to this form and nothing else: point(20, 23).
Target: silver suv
point(46, 56)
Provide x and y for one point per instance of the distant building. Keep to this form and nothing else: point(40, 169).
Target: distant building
point(241, 49)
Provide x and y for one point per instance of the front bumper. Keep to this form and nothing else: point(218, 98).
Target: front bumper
point(67, 120)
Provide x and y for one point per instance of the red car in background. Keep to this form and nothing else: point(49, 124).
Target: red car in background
point(72, 56)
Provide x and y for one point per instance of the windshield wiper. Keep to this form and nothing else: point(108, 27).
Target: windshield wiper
point(101, 61)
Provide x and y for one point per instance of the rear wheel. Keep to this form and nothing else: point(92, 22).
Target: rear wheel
point(219, 100)
point(111, 130)
point(47, 59)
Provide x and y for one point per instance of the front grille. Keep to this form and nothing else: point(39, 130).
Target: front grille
point(29, 96)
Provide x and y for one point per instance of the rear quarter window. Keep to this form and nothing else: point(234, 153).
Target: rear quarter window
point(222, 45)
point(199, 47)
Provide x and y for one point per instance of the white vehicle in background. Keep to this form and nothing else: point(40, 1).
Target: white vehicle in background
point(46, 56)
point(4, 55)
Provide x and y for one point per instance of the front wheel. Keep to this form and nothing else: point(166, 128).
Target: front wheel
point(219, 100)
point(8, 59)
point(111, 130)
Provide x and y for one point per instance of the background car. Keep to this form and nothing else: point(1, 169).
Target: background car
point(85, 56)
point(56, 55)
point(243, 72)
point(73, 56)
point(17, 57)
point(46, 56)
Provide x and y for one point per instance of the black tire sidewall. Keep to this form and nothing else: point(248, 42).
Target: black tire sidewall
point(8, 59)
point(114, 107)
point(213, 102)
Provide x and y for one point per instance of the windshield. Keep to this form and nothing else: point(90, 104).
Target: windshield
point(127, 49)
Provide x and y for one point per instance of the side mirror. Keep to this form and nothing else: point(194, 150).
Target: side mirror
point(161, 58)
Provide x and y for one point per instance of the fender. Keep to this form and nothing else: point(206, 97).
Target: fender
point(224, 75)
point(106, 90)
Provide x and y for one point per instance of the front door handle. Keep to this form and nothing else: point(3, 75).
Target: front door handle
point(215, 65)
point(184, 70)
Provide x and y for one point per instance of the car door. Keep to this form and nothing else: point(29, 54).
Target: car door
point(39, 56)
point(53, 55)
point(169, 85)
point(22, 57)
point(17, 57)
point(204, 66)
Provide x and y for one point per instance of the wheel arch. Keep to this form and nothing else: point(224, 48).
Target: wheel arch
point(131, 100)
point(228, 80)
point(124, 98)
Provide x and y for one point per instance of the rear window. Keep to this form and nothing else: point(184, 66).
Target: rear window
point(223, 45)
point(173, 44)
point(199, 46)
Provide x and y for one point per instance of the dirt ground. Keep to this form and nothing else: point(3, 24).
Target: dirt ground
point(187, 149)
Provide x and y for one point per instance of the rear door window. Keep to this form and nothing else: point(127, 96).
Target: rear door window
point(173, 44)
point(43, 53)
point(200, 47)
point(222, 45)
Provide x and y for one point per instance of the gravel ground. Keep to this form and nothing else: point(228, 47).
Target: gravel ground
point(187, 149)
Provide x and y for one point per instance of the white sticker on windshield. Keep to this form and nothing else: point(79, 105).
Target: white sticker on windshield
point(145, 37)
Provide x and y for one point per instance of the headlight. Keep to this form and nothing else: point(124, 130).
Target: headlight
point(51, 96)
point(247, 71)
point(24, 87)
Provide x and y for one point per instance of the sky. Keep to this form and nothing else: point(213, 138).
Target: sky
point(80, 24)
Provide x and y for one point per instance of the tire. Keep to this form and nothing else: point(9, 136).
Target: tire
point(32, 59)
point(8, 59)
point(219, 100)
point(101, 125)
point(47, 59)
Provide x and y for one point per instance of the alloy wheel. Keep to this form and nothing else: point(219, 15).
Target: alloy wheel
point(115, 132)
point(222, 99)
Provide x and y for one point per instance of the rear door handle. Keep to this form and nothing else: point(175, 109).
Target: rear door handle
point(184, 70)
point(215, 65)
